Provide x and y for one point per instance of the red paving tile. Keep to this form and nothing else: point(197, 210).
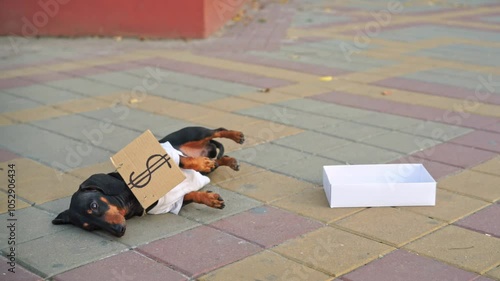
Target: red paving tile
point(437, 170)
point(8, 83)
point(199, 250)
point(6, 155)
point(402, 265)
point(125, 266)
point(480, 139)
point(20, 273)
point(432, 88)
point(455, 155)
point(484, 221)
point(217, 73)
point(48, 76)
point(408, 110)
point(267, 226)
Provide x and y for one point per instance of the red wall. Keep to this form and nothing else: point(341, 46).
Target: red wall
point(142, 18)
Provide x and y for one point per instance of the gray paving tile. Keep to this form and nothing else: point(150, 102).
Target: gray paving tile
point(119, 79)
point(358, 153)
point(235, 203)
point(56, 206)
point(401, 142)
point(312, 142)
point(50, 148)
point(309, 169)
point(32, 223)
point(64, 250)
point(86, 87)
point(149, 228)
point(268, 155)
point(186, 94)
point(133, 119)
point(326, 109)
point(435, 130)
point(388, 121)
point(353, 131)
point(43, 94)
point(94, 132)
point(9, 103)
point(291, 117)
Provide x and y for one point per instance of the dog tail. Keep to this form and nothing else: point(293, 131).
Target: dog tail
point(220, 147)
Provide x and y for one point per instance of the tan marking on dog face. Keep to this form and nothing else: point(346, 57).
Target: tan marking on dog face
point(113, 215)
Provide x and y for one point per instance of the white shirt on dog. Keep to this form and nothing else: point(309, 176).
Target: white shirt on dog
point(172, 201)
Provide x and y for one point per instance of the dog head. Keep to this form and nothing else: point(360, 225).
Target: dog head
point(101, 202)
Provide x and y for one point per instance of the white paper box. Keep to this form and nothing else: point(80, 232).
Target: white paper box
point(379, 185)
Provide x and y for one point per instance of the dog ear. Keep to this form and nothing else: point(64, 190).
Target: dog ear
point(62, 218)
point(105, 183)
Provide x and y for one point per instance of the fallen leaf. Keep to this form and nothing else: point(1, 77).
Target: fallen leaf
point(265, 90)
point(118, 38)
point(386, 93)
point(133, 100)
point(326, 78)
point(262, 20)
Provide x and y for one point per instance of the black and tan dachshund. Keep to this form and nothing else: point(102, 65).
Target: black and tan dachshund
point(104, 201)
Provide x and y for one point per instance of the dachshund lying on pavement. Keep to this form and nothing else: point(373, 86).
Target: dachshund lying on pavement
point(104, 201)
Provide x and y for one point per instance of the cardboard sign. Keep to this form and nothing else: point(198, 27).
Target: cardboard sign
point(147, 169)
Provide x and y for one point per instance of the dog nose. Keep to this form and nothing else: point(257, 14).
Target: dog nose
point(120, 230)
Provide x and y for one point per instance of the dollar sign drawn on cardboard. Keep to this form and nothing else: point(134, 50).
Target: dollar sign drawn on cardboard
point(142, 179)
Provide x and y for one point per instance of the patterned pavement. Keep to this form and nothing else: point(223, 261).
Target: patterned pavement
point(310, 83)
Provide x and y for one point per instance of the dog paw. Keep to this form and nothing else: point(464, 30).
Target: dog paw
point(240, 137)
point(233, 164)
point(206, 165)
point(214, 200)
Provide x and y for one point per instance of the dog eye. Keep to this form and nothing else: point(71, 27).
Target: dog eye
point(94, 206)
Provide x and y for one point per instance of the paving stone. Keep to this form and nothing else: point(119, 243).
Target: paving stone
point(119, 79)
point(85, 87)
point(31, 223)
point(388, 121)
point(434, 130)
point(6, 155)
point(156, 226)
point(358, 153)
point(20, 204)
point(52, 149)
point(226, 120)
point(222, 175)
point(472, 183)
point(484, 221)
point(125, 266)
point(102, 133)
point(4, 121)
point(401, 142)
point(39, 184)
point(449, 206)
point(75, 247)
point(85, 172)
point(56, 206)
point(390, 225)
point(312, 142)
point(495, 272)
point(353, 131)
point(314, 204)
point(326, 109)
point(291, 117)
point(456, 155)
point(402, 265)
point(266, 131)
point(332, 251)
point(436, 169)
point(480, 139)
point(491, 166)
point(37, 113)
point(309, 168)
point(266, 226)
point(43, 94)
point(460, 247)
point(20, 273)
point(265, 186)
point(268, 155)
point(265, 266)
point(84, 105)
point(232, 104)
point(9, 103)
point(199, 250)
point(235, 203)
